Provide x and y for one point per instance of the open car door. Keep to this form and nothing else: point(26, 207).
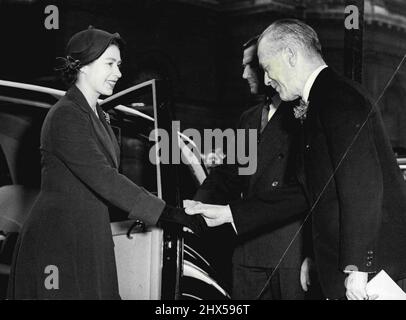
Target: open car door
point(151, 263)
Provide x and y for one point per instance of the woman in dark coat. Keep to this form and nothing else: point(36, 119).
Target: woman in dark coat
point(65, 249)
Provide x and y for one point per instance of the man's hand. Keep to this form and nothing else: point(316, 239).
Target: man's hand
point(305, 270)
point(190, 203)
point(214, 215)
point(356, 283)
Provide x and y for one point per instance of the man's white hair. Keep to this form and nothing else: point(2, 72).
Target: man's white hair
point(287, 32)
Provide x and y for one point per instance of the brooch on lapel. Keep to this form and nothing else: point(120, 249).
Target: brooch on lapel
point(106, 117)
point(301, 110)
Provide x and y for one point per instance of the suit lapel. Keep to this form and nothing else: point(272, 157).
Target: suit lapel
point(104, 137)
point(309, 126)
point(318, 91)
point(300, 157)
point(272, 139)
point(110, 132)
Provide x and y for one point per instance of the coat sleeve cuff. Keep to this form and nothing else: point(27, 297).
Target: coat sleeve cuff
point(147, 208)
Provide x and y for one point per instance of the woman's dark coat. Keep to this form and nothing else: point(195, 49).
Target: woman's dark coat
point(65, 249)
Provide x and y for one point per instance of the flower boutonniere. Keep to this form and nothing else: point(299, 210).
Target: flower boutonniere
point(300, 111)
point(106, 117)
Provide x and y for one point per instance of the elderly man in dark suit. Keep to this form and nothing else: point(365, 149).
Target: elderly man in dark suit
point(257, 254)
point(345, 165)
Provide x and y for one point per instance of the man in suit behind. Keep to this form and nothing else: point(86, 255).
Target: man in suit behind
point(257, 254)
point(345, 165)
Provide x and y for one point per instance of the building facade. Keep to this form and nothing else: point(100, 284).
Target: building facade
point(196, 46)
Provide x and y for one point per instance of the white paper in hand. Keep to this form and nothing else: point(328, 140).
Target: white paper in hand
point(385, 288)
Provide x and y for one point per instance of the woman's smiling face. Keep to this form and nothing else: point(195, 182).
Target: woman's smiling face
point(103, 73)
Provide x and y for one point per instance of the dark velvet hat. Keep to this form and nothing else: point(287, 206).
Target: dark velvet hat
point(86, 46)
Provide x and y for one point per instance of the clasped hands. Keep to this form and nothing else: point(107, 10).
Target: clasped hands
point(196, 216)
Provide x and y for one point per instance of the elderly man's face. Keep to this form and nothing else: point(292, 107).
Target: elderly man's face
point(250, 68)
point(278, 73)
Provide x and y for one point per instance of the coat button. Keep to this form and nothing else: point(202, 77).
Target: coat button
point(275, 183)
point(280, 156)
point(369, 263)
point(307, 147)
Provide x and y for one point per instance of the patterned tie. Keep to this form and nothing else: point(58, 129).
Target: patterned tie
point(264, 117)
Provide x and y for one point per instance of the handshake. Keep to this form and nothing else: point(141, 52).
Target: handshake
point(196, 216)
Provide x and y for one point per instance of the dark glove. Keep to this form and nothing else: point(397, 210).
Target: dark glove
point(178, 216)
